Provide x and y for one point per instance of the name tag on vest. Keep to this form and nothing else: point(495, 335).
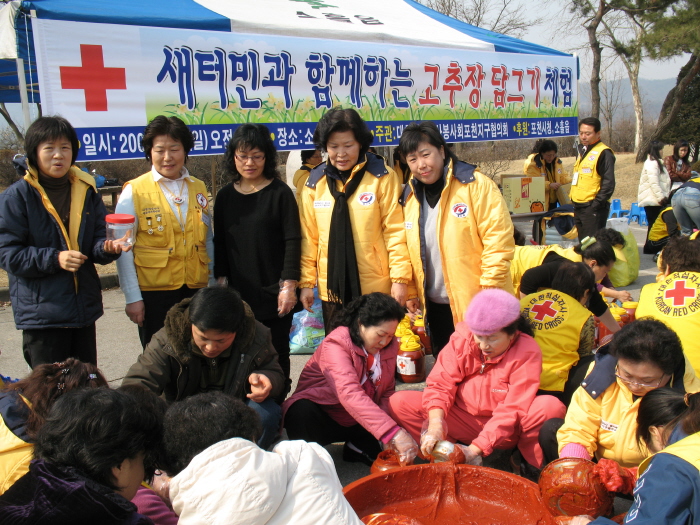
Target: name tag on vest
point(608, 426)
point(322, 204)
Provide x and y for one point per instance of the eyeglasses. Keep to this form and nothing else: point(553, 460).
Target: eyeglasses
point(635, 384)
point(246, 158)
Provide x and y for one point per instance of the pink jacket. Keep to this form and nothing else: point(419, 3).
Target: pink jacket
point(499, 391)
point(332, 378)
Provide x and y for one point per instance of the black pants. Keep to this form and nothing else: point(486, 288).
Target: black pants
point(652, 247)
point(590, 217)
point(53, 345)
point(279, 330)
point(577, 374)
point(308, 421)
point(157, 303)
point(652, 213)
point(548, 439)
point(440, 323)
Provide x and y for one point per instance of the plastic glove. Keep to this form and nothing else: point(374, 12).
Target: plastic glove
point(616, 478)
point(433, 430)
point(573, 520)
point(405, 448)
point(471, 456)
point(287, 298)
point(161, 486)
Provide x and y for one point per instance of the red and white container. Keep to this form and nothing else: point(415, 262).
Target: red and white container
point(120, 229)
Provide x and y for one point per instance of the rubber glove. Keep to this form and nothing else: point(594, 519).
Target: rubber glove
point(616, 478)
point(405, 448)
point(287, 298)
point(471, 456)
point(434, 430)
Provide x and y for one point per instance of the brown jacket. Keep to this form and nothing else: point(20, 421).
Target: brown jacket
point(169, 366)
point(672, 168)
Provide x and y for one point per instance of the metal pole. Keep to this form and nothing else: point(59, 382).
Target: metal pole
point(23, 93)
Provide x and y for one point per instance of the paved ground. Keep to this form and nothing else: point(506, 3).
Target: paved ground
point(118, 348)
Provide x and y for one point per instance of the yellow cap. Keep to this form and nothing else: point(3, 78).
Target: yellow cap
point(630, 304)
point(419, 321)
point(411, 343)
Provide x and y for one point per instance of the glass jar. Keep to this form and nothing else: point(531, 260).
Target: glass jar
point(120, 229)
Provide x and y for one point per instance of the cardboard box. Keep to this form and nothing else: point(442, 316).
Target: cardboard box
point(524, 194)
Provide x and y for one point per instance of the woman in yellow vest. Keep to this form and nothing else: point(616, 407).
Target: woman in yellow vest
point(310, 158)
point(173, 242)
point(665, 226)
point(667, 487)
point(543, 162)
point(352, 229)
point(24, 406)
point(601, 421)
point(564, 328)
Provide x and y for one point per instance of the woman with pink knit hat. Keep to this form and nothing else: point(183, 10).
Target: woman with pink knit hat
point(482, 389)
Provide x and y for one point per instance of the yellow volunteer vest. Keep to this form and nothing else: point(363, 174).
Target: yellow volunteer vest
point(166, 257)
point(586, 181)
point(557, 319)
point(675, 300)
point(658, 229)
point(526, 257)
point(687, 449)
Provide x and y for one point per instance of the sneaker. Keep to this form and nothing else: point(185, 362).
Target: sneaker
point(354, 456)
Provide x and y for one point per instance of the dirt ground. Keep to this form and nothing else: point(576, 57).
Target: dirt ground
point(626, 175)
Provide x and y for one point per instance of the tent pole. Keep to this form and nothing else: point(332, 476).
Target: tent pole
point(23, 93)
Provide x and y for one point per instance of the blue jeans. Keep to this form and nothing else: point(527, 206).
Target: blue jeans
point(270, 416)
point(686, 208)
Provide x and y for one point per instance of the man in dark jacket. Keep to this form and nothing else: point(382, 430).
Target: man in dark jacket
point(213, 342)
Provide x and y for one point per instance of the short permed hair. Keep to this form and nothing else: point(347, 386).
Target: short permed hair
point(45, 129)
point(417, 132)
point(340, 120)
point(94, 430)
point(647, 340)
point(574, 279)
point(247, 137)
point(173, 127)
point(682, 254)
point(203, 420)
point(368, 310)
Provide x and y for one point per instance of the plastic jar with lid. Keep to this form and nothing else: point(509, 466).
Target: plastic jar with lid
point(631, 308)
point(120, 229)
point(410, 361)
point(386, 460)
point(419, 329)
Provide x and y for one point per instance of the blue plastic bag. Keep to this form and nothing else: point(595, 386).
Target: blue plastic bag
point(307, 331)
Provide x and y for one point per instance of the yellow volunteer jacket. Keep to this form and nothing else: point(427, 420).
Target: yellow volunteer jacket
point(535, 167)
point(658, 229)
point(557, 319)
point(166, 257)
point(15, 449)
point(475, 236)
point(607, 425)
point(687, 449)
point(586, 180)
point(377, 228)
point(675, 300)
point(300, 177)
point(530, 256)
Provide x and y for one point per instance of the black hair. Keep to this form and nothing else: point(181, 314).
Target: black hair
point(682, 143)
point(306, 154)
point(647, 340)
point(248, 137)
point(590, 121)
point(339, 120)
point(682, 254)
point(202, 420)
point(542, 146)
point(611, 236)
point(173, 127)
point(217, 308)
point(574, 279)
point(367, 310)
point(96, 429)
point(45, 129)
point(425, 131)
point(662, 407)
point(522, 323)
point(518, 237)
point(654, 152)
point(600, 251)
point(149, 400)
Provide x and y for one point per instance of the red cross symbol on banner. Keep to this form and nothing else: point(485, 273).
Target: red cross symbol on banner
point(544, 310)
point(93, 77)
point(680, 293)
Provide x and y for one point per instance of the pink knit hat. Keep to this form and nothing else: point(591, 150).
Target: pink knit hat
point(491, 311)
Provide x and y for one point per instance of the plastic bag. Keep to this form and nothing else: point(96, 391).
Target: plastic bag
point(626, 269)
point(307, 331)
